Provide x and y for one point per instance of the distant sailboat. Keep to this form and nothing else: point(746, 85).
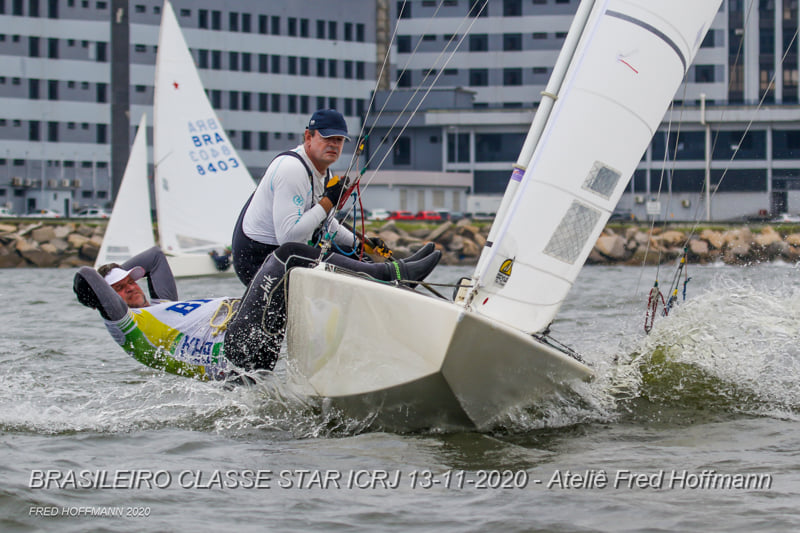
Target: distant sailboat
point(201, 182)
point(130, 229)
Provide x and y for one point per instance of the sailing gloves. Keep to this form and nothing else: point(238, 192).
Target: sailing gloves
point(375, 245)
point(333, 190)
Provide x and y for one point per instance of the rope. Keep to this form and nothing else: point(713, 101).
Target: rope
point(230, 307)
point(362, 137)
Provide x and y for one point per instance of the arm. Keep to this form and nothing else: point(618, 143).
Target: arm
point(344, 236)
point(160, 281)
point(93, 291)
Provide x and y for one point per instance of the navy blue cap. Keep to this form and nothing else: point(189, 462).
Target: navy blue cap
point(329, 123)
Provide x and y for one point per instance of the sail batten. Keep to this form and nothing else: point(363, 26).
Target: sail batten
point(626, 69)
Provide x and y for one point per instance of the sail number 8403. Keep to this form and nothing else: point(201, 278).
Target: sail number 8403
point(218, 159)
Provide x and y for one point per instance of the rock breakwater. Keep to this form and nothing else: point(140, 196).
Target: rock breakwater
point(68, 244)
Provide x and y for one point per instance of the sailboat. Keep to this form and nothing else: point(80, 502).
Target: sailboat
point(130, 229)
point(200, 181)
point(408, 361)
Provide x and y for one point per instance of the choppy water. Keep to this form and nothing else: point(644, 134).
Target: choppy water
point(709, 397)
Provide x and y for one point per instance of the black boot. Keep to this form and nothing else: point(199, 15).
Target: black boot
point(404, 270)
point(426, 250)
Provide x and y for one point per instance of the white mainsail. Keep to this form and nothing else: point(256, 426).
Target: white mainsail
point(201, 182)
point(130, 229)
point(626, 70)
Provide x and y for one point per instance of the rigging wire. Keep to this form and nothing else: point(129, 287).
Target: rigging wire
point(681, 268)
point(440, 70)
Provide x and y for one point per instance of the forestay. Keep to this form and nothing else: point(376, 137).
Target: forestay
point(130, 229)
point(201, 183)
point(628, 65)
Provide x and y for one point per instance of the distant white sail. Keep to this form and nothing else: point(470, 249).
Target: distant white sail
point(628, 65)
point(201, 182)
point(130, 229)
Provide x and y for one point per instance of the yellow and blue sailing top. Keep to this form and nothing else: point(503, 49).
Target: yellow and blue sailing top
point(176, 336)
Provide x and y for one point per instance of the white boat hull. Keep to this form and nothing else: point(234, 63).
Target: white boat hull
point(192, 265)
point(412, 361)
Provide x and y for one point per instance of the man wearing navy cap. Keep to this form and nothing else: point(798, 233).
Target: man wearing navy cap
point(293, 200)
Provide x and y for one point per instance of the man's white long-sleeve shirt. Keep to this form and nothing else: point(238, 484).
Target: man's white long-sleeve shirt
point(285, 207)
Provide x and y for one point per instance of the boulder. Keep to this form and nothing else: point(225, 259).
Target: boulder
point(645, 257)
point(641, 238)
point(792, 253)
point(767, 237)
point(698, 248)
point(713, 238)
point(596, 258)
point(49, 248)
point(89, 251)
point(73, 261)
point(86, 231)
point(9, 258)
point(40, 258)
point(738, 236)
point(63, 230)
point(25, 245)
point(456, 243)
point(442, 238)
point(672, 238)
point(439, 231)
point(60, 245)
point(43, 234)
point(611, 246)
point(25, 229)
point(472, 233)
point(470, 249)
point(793, 239)
point(737, 253)
point(76, 240)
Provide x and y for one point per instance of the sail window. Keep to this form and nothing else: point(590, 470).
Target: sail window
point(602, 180)
point(572, 232)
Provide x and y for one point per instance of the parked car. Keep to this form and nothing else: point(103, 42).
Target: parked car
point(6, 212)
point(455, 216)
point(401, 215)
point(379, 214)
point(428, 216)
point(92, 212)
point(622, 215)
point(44, 213)
point(786, 218)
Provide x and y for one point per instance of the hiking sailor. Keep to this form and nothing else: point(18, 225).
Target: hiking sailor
point(208, 338)
point(294, 198)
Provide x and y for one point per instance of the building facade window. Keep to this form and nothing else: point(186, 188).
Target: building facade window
point(478, 77)
point(401, 153)
point(512, 76)
point(512, 42)
point(479, 42)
